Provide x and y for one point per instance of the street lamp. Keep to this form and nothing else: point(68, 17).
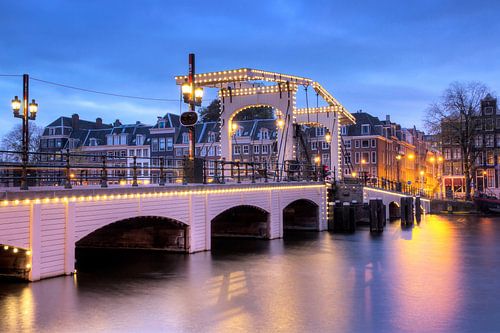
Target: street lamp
point(328, 137)
point(29, 112)
point(280, 122)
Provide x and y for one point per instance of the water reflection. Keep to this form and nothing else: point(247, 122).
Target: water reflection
point(439, 276)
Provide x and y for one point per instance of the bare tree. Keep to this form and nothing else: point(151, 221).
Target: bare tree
point(13, 141)
point(453, 119)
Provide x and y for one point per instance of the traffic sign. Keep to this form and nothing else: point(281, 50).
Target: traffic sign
point(189, 118)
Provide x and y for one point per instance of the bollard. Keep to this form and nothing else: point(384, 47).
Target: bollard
point(418, 210)
point(337, 217)
point(403, 210)
point(411, 216)
point(373, 211)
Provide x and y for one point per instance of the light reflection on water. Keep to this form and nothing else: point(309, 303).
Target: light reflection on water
point(441, 276)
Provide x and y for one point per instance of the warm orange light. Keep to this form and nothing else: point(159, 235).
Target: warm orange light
point(432, 159)
point(440, 159)
point(485, 173)
point(354, 174)
point(72, 175)
point(317, 159)
point(280, 123)
point(16, 104)
point(398, 157)
point(328, 137)
point(422, 172)
point(411, 156)
point(363, 161)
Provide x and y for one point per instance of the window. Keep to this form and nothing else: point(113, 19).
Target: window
point(365, 157)
point(246, 149)
point(161, 124)
point(325, 159)
point(365, 143)
point(479, 158)
point(374, 157)
point(170, 143)
point(145, 165)
point(356, 143)
point(489, 140)
point(185, 137)
point(211, 137)
point(93, 142)
point(498, 140)
point(139, 140)
point(347, 158)
point(488, 124)
point(178, 152)
point(374, 143)
point(123, 153)
point(139, 153)
point(320, 131)
point(365, 129)
point(447, 154)
point(211, 151)
point(131, 152)
point(479, 124)
point(478, 141)
point(457, 153)
point(185, 151)
point(314, 145)
point(256, 149)
point(264, 134)
point(325, 145)
point(52, 131)
point(145, 153)
point(490, 158)
point(162, 144)
point(498, 123)
point(343, 130)
point(237, 150)
point(238, 132)
point(154, 144)
point(356, 157)
point(488, 110)
point(265, 149)
point(347, 144)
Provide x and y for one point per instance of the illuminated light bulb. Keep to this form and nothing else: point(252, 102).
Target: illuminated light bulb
point(15, 250)
point(28, 253)
point(28, 266)
point(5, 247)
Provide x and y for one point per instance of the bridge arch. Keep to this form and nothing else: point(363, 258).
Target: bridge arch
point(301, 214)
point(139, 232)
point(394, 210)
point(241, 221)
point(15, 261)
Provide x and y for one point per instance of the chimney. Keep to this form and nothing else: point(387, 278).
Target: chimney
point(117, 123)
point(388, 118)
point(137, 122)
point(75, 121)
point(98, 122)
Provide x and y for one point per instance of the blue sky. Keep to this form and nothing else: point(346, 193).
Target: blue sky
point(385, 57)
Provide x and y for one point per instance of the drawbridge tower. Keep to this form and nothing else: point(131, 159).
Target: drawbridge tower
point(245, 88)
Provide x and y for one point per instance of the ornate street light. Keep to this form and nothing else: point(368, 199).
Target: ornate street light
point(328, 137)
point(280, 122)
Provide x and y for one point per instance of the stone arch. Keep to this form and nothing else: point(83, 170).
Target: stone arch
point(139, 232)
point(241, 221)
point(301, 214)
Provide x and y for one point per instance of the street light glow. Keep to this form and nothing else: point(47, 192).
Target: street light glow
point(16, 104)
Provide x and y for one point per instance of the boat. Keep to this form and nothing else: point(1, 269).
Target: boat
point(487, 203)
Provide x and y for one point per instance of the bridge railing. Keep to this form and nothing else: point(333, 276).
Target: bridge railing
point(393, 186)
point(70, 169)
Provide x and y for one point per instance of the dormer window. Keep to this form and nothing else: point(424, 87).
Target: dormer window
point(161, 124)
point(320, 131)
point(93, 142)
point(238, 132)
point(343, 130)
point(185, 137)
point(139, 140)
point(264, 134)
point(212, 137)
point(365, 129)
point(52, 131)
point(488, 110)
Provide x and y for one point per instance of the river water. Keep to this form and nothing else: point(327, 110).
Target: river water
point(441, 276)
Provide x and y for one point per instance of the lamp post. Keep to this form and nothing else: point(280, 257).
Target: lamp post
point(33, 109)
point(193, 97)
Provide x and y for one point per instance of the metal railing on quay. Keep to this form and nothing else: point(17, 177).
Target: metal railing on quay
point(394, 186)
